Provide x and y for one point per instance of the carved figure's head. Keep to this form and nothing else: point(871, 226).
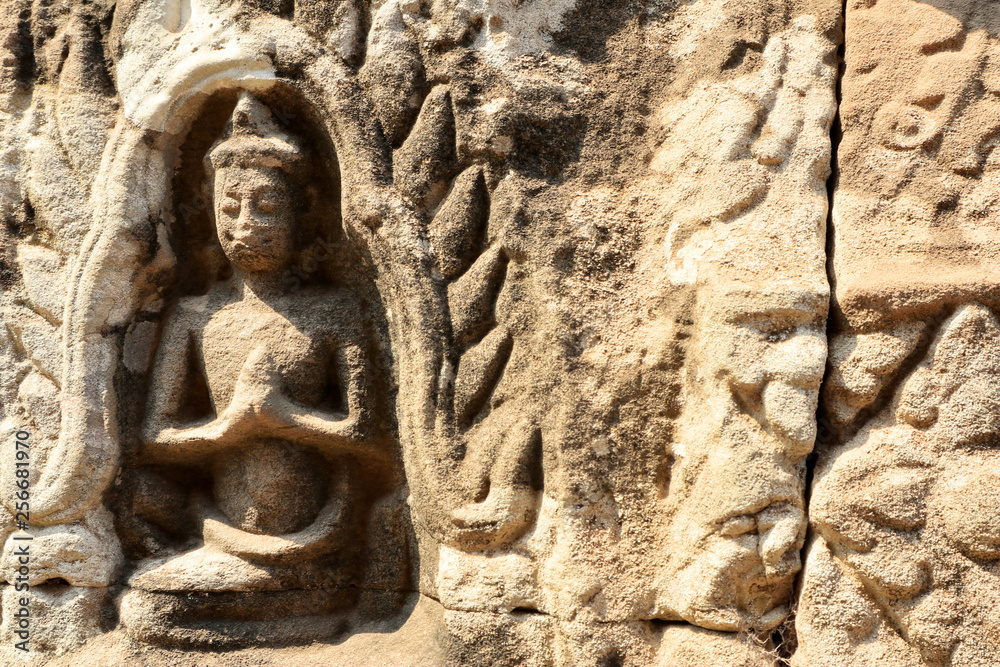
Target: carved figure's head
point(255, 192)
point(756, 363)
point(770, 348)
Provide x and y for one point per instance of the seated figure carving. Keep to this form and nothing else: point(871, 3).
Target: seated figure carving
point(264, 390)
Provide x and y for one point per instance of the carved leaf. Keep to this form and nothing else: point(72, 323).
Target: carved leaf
point(479, 372)
point(861, 365)
point(425, 163)
point(40, 398)
point(9, 368)
point(457, 230)
point(472, 297)
point(393, 73)
point(40, 341)
point(43, 273)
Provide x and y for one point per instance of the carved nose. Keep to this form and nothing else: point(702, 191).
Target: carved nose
point(800, 360)
point(248, 229)
point(246, 223)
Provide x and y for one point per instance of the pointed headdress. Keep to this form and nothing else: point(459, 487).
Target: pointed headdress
point(254, 138)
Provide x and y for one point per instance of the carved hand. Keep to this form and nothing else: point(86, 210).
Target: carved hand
point(259, 409)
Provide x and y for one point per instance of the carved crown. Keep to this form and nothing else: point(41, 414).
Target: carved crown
point(254, 138)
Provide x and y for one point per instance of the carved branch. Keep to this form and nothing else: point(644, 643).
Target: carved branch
point(385, 222)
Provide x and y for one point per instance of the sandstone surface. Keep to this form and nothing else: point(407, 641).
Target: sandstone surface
point(548, 333)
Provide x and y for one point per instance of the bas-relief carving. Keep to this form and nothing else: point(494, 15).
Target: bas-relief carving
point(447, 325)
point(352, 321)
point(917, 157)
point(757, 349)
point(739, 457)
point(901, 565)
point(56, 106)
point(263, 387)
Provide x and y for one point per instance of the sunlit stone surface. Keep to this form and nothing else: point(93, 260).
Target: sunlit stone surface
point(558, 333)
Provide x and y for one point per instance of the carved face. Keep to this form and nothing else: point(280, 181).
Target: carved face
point(771, 350)
point(255, 216)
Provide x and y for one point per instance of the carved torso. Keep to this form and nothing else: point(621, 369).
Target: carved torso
point(297, 335)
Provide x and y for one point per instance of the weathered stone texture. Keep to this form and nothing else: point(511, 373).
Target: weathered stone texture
point(494, 332)
point(901, 568)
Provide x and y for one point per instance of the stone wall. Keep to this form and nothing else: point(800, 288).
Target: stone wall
point(555, 333)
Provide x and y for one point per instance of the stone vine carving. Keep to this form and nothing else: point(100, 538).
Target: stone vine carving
point(54, 127)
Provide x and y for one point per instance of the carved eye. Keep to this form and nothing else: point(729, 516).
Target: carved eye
point(777, 335)
point(267, 203)
point(231, 206)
